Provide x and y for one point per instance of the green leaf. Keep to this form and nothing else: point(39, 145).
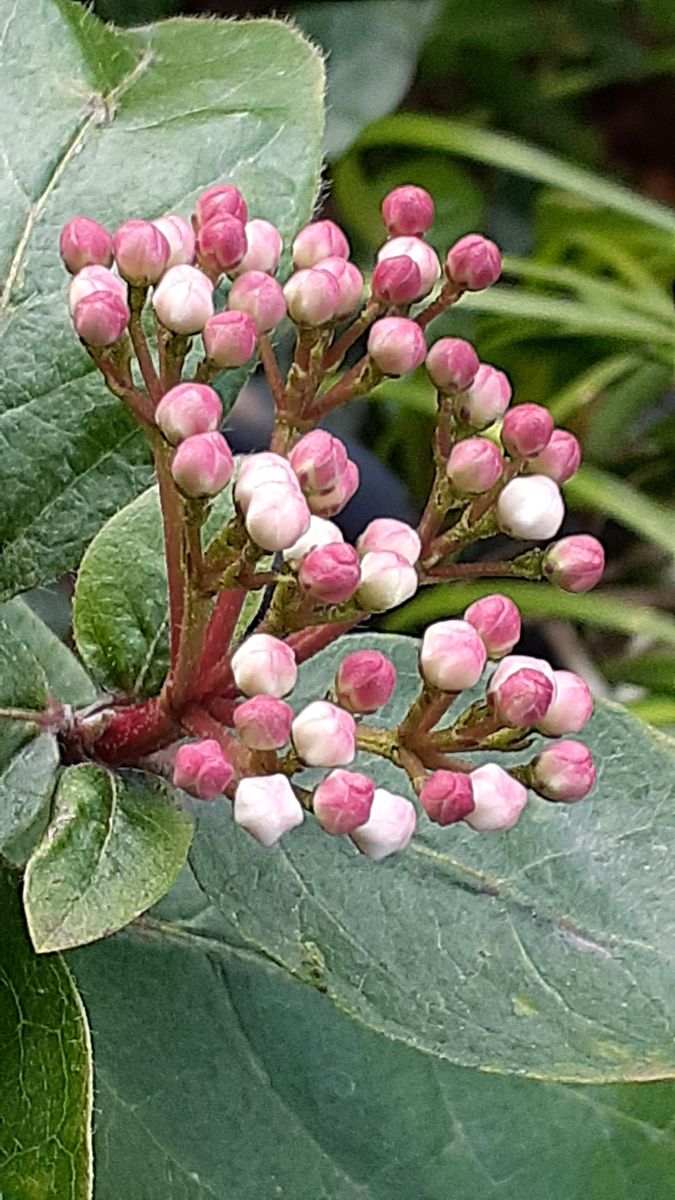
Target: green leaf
point(66, 677)
point(440, 948)
point(143, 122)
point(598, 491)
point(114, 846)
point(46, 1094)
point(286, 1096)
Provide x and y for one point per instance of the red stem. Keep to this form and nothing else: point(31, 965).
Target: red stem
point(271, 368)
point(134, 731)
point(308, 642)
point(172, 517)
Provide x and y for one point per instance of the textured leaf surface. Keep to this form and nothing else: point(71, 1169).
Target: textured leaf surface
point(66, 677)
point(45, 1098)
point(115, 125)
point(114, 846)
point(547, 950)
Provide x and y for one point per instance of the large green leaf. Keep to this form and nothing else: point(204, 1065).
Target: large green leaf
point(66, 677)
point(46, 1093)
point(117, 125)
point(547, 950)
point(114, 846)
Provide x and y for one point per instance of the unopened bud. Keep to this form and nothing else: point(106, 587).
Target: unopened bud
point(408, 210)
point(141, 252)
point(277, 516)
point(389, 827)
point(320, 239)
point(349, 280)
point(386, 533)
point(100, 318)
point(219, 199)
point(498, 799)
point(320, 533)
point(181, 238)
point(187, 409)
point(94, 279)
point(267, 807)
point(183, 300)
point(564, 771)
point(473, 263)
point(560, 459)
point(575, 563)
point(526, 430)
point(452, 363)
point(396, 345)
point(264, 666)
point(474, 466)
point(522, 699)
point(342, 801)
point(312, 297)
point(319, 460)
point(202, 769)
point(230, 339)
point(260, 296)
point(202, 465)
point(264, 246)
point(330, 503)
point(258, 472)
point(422, 254)
point(83, 243)
point(263, 722)
point(452, 656)
point(397, 280)
point(365, 681)
point(572, 707)
point(387, 580)
point(497, 622)
point(520, 662)
point(530, 508)
point(447, 797)
point(221, 244)
point(487, 398)
point(324, 735)
point(330, 574)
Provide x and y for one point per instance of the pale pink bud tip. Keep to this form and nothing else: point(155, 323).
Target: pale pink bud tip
point(514, 663)
point(396, 345)
point(408, 210)
point(230, 339)
point(365, 681)
point(487, 398)
point(100, 318)
point(263, 722)
point(277, 516)
point(396, 280)
point(219, 199)
point(497, 621)
point(389, 827)
point(328, 504)
point(319, 533)
point(141, 252)
point(202, 769)
point(522, 699)
point(447, 797)
point(187, 409)
point(386, 533)
point(564, 771)
point(575, 563)
point(264, 666)
point(526, 430)
point(267, 807)
point(349, 280)
point(452, 363)
point(221, 244)
point(498, 799)
point(261, 297)
point(94, 279)
point(202, 465)
point(560, 459)
point(258, 472)
point(264, 246)
point(324, 735)
point(421, 254)
point(530, 507)
point(473, 263)
point(474, 466)
point(320, 239)
point(330, 574)
point(181, 238)
point(319, 461)
point(387, 580)
point(342, 801)
point(183, 300)
point(572, 707)
point(83, 243)
point(312, 297)
point(452, 656)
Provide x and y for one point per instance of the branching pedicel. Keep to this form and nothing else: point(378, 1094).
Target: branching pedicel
point(496, 470)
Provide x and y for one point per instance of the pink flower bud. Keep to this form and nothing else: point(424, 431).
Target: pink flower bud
point(328, 504)
point(575, 563)
point(202, 465)
point(571, 708)
point(520, 662)
point(526, 430)
point(487, 399)
point(498, 799)
point(447, 797)
point(324, 735)
point(452, 363)
point(312, 297)
point(94, 279)
point(277, 516)
point(342, 801)
point(452, 656)
point(408, 210)
point(263, 722)
point(560, 459)
point(219, 199)
point(421, 253)
point(330, 574)
point(365, 681)
point(474, 466)
point(389, 827)
point(264, 666)
point(396, 345)
point(202, 769)
point(260, 296)
point(230, 339)
point(221, 244)
point(386, 533)
point(183, 300)
point(530, 508)
point(84, 242)
point(264, 248)
point(497, 622)
point(187, 409)
point(181, 238)
point(522, 699)
point(349, 280)
point(320, 533)
point(100, 318)
point(320, 239)
point(319, 461)
point(397, 280)
point(564, 771)
point(258, 472)
point(473, 263)
point(267, 807)
point(141, 252)
point(387, 580)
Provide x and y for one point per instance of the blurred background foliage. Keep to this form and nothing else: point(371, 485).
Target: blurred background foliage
point(548, 125)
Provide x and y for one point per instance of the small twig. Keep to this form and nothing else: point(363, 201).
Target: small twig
point(271, 368)
point(335, 355)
